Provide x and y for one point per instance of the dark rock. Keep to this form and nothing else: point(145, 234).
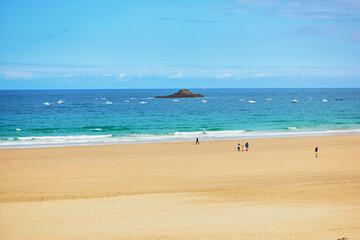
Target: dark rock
point(183, 93)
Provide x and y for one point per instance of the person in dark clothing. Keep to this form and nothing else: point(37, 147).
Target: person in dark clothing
point(238, 147)
point(197, 141)
point(316, 151)
point(247, 146)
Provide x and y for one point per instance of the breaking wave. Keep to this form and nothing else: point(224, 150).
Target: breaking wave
point(82, 140)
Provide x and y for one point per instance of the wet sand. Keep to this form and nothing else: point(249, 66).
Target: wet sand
point(277, 190)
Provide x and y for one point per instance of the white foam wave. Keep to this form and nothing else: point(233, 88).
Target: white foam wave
point(49, 141)
point(210, 133)
point(67, 138)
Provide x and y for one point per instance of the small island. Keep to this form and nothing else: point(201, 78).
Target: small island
point(183, 93)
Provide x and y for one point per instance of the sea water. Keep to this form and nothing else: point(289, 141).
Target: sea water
point(88, 117)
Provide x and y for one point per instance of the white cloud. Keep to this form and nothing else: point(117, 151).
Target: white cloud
point(258, 2)
point(151, 73)
point(226, 75)
point(178, 75)
point(323, 10)
point(17, 75)
point(262, 75)
point(335, 10)
point(121, 75)
point(108, 75)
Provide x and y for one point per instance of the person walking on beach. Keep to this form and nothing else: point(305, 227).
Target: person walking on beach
point(247, 146)
point(242, 146)
point(197, 141)
point(316, 151)
point(238, 147)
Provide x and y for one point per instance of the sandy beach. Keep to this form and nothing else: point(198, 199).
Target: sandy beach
point(277, 190)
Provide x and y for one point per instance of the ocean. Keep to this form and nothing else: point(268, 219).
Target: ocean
point(93, 117)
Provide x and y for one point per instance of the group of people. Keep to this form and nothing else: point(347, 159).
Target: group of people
point(242, 146)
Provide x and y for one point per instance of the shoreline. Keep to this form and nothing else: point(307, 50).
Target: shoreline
point(109, 139)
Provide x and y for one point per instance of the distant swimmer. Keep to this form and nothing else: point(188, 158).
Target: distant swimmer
point(238, 147)
point(197, 141)
point(316, 151)
point(247, 146)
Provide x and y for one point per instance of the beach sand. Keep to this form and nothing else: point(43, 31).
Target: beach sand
point(277, 190)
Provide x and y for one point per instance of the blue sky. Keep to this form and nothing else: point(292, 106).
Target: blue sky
point(179, 44)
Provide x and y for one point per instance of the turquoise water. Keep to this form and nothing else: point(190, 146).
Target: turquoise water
point(83, 119)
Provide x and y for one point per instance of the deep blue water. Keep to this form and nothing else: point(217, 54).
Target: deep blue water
point(83, 119)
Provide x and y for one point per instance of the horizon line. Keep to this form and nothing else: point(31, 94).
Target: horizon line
point(203, 88)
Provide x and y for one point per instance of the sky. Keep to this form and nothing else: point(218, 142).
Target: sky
point(89, 44)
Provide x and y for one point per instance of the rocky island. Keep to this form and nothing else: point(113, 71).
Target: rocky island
point(183, 93)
